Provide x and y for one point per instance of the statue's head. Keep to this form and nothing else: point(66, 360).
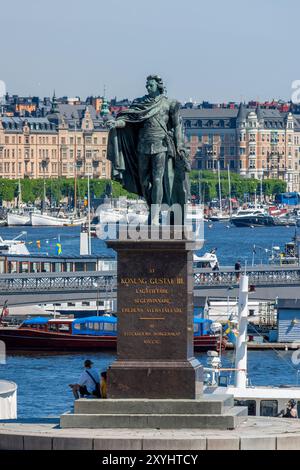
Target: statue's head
point(154, 85)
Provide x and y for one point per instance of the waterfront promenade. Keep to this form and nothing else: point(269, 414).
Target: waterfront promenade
point(254, 434)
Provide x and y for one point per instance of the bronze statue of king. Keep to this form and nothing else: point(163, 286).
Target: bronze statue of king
point(147, 152)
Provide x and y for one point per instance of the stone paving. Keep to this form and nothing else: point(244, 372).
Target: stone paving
point(255, 433)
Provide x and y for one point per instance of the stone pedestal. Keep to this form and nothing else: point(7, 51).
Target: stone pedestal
point(155, 357)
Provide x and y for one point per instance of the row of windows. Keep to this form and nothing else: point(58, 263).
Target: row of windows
point(266, 407)
point(8, 167)
point(53, 140)
point(46, 153)
point(95, 326)
point(216, 139)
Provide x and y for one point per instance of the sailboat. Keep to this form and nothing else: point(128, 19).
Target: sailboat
point(19, 216)
point(260, 400)
point(220, 215)
point(60, 219)
point(194, 212)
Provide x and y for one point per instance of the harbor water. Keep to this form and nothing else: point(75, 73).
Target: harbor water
point(43, 378)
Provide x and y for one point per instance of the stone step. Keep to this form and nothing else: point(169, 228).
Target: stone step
point(205, 405)
point(230, 420)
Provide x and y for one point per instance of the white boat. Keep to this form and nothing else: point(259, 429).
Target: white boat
point(14, 246)
point(219, 217)
point(15, 218)
point(39, 220)
point(208, 260)
point(137, 218)
point(110, 215)
point(260, 400)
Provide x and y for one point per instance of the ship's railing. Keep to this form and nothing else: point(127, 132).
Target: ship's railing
point(267, 275)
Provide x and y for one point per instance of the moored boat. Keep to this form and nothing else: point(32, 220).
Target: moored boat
point(84, 334)
point(50, 220)
point(14, 246)
point(15, 218)
point(251, 218)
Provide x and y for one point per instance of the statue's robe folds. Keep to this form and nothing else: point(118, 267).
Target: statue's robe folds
point(122, 151)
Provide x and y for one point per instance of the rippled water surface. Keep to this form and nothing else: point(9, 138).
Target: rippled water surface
point(43, 378)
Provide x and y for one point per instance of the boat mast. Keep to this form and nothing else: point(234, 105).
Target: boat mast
point(220, 195)
point(229, 184)
point(241, 343)
point(19, 193)
point(199, 188)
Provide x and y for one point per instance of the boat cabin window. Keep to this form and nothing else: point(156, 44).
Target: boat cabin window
point(52, 327)
point(250, 404)
point(268, 408)
point(63, 327)
point(58, 327)
point(110, 327)
point(36, 326)
point(298, 408)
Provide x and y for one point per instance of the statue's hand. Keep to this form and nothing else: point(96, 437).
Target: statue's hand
point(110, 124)
point(114, 124)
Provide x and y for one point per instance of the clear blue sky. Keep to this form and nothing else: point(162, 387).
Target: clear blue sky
point(214, 50)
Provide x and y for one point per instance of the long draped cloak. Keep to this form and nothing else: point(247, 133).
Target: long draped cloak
point(122, 152)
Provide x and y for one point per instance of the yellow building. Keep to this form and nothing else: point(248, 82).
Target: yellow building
point(69, 141)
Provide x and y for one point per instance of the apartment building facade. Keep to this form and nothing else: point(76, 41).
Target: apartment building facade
point(254, 142)
point(71, 141)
